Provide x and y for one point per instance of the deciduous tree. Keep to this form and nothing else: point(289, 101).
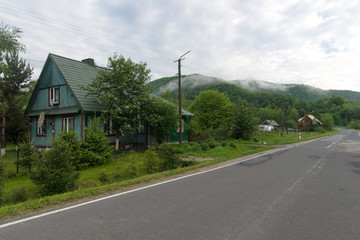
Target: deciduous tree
point(213, 110)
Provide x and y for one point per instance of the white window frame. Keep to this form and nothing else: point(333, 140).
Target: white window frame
point(54, 96)
point(66, 125)
point(41, 131)
point(109, 127)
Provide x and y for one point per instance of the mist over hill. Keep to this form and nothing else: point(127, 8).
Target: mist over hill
point(195, 83)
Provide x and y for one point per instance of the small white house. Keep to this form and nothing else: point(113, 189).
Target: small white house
point(268, 125)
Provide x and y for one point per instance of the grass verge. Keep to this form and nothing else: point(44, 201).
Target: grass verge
point(50, 202)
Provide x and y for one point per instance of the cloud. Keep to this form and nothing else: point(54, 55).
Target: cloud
point(307, 42)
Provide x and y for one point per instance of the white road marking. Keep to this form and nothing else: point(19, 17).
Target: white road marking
point(333, 143)
point(146, 187)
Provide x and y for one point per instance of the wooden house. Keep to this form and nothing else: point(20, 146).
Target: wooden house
point(59, 104)
point(308, 123)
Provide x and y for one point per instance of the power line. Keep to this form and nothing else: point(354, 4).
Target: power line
point(36, 21)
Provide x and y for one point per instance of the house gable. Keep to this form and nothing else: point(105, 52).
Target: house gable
point(39, 102)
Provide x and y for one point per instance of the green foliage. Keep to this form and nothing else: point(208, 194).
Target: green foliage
point(152, 160)
point(9, 38)
point(204, 146)
point(245, 121)
point(212, 145)
point(167, 154)
point(77, 157)
point(10, 174)
point(104, 177)
point(354, 124)
point(96, 149)
point(2, 179)
point(121, 90)
point(327, 121)
point(213, 110)
point(161, 116)
point(53, 171)
point(18, 194)
point(28, 155)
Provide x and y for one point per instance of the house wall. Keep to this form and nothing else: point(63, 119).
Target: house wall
point(51, 77)
point(54, 127)
point(175, 136)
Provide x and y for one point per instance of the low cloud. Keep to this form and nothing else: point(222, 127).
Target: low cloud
point(314, 43)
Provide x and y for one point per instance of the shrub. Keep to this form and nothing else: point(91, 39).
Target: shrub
point(104, 178)
point(233, 145)
point(320, 129)
point(212, 144)
point(127, 170)
point(152, 160)
point(96, 147)
point(28, 152)
point(204, 146)
point(53, 171)
point(224, 144)
point(18, 194)
point(10, 174)
point(77, 158)
point(167, 154)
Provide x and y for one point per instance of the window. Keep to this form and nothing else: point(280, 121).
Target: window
point(54, 96)
point(182, 126)
point(41, 127)
point(109, 127)
point(68, 124)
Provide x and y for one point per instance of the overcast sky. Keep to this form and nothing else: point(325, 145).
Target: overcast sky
point(307, 42)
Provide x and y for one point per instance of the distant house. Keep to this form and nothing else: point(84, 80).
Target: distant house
point(308, 123)
point(269, 125)
point(58, 104)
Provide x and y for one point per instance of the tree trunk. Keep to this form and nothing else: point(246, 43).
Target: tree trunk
point(117, 143)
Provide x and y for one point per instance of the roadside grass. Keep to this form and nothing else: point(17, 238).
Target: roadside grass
point(113, 176)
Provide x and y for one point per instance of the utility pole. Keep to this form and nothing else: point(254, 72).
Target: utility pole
point(180, 113)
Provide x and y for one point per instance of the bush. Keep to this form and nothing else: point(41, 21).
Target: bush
point(10, 174)
point(152, 160)
point(77, 158)
point(233, 145)
point(212, 145)
point(167, 154)
point(104, 178)
point(28, 152)
point(320, 129)
point(224, 144)
point(127, 170)
point(18, 194)
point(204, 146)
point(96, 147)
point(53, 171)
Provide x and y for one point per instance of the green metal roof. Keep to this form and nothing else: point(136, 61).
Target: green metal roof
point(77, 74)
point(56, 111)
point(271, 123)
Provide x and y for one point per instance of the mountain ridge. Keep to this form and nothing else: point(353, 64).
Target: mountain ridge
point(300, 91)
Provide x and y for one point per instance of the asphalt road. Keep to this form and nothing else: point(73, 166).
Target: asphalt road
point(311, 191)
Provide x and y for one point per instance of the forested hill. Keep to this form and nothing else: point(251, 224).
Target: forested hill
point(195, 83)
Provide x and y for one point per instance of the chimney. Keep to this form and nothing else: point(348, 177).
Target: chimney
point(89, 61)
